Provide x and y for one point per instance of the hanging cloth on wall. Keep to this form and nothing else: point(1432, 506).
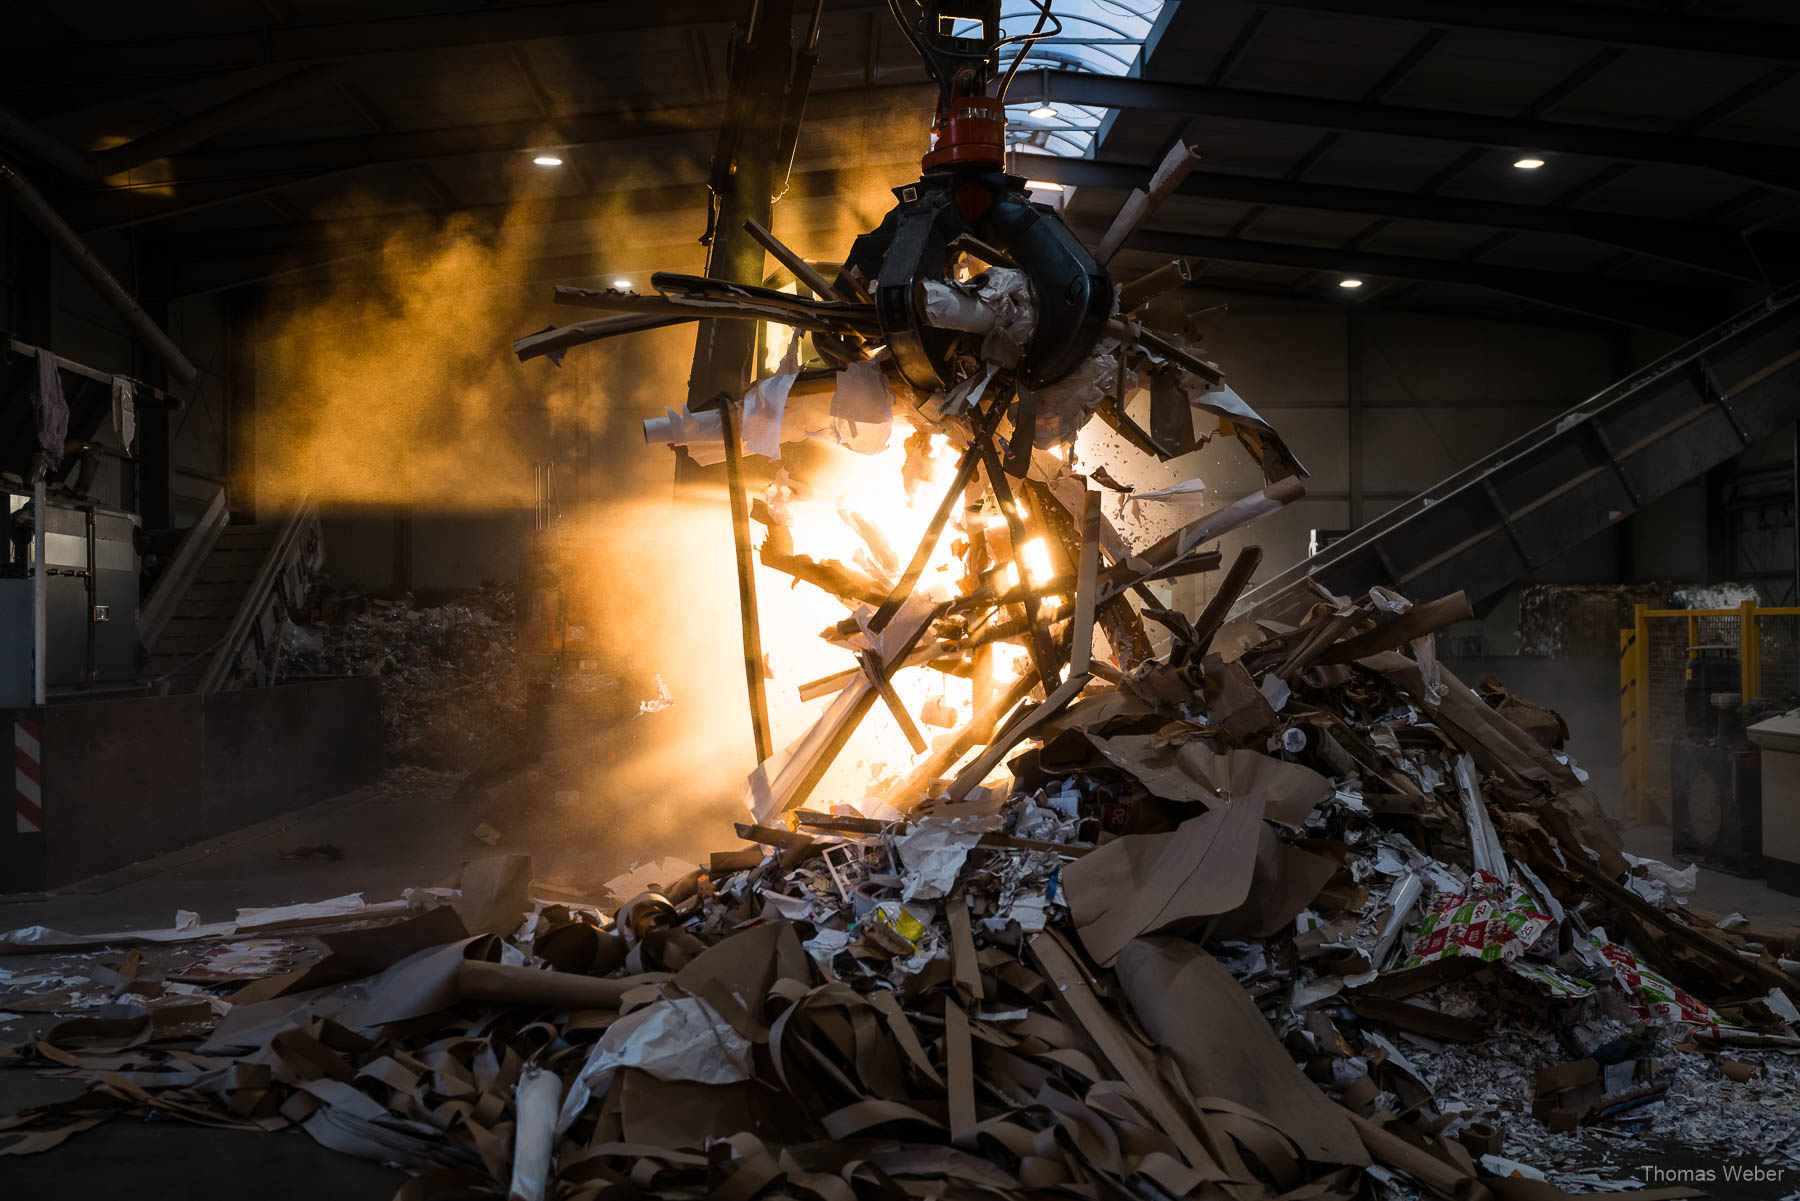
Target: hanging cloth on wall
point(52, 411)
point(124, 412)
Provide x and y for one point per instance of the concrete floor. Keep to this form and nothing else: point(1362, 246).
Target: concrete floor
point(405, 832)
point(585, 815)
point(1719, 892)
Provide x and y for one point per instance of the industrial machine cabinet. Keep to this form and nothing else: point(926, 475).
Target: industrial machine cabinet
point(1778, 738)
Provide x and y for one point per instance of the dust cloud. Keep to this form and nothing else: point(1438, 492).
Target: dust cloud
point(396, 384)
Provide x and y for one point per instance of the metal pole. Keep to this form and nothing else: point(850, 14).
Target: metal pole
point(1640, 624)
point(32, 203)
point(27, 136)
point(39, 610)
point(746, 574)
point(1353, 415)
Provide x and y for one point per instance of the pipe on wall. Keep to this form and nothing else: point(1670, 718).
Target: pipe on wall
point(32, 203)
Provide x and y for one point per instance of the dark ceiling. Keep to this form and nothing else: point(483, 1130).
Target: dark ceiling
point(276, 144)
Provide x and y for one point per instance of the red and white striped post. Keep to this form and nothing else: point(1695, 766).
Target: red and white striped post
point(28, 779)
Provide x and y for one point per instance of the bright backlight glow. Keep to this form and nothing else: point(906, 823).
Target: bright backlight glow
point(1037, 562)
point(1350, 283)
point(1529, 164)
point(547, 160)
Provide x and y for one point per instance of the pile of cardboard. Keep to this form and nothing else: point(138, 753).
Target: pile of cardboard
point(1201, 943)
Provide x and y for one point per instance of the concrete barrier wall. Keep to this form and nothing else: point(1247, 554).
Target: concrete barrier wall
point(123, 780)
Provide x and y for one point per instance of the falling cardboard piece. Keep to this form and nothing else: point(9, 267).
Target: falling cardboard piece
point(1230, 1052)
point(496, 894)
point(1196, 773)
point(1143, 883)
point(1186, 490)
point(1138, 207)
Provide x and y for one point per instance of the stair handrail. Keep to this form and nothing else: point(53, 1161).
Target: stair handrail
point(256, 600)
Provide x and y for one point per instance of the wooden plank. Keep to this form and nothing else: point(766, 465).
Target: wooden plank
point(1043, 653)
point(1016, 731)
point(965, 471)
point(885, 688)
point(1081, 651)
point(1143, 202)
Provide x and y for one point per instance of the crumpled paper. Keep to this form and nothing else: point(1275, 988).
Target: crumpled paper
point(1066, 405)
point(996, 303)
point(862, 409)
point(679, 1039)
point(764, 405)
point(932, 855)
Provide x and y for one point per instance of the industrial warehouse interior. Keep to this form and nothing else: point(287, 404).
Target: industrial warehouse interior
point(833, 600)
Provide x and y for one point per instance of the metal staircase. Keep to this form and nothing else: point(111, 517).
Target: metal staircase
point(1548, 491)
point(214, 621)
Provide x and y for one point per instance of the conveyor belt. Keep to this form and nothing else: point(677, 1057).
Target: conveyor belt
point(1546, 492)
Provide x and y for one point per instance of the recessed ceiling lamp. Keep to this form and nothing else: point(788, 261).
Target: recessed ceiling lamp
point(1350, 283)
point(547, 160)
point(1042, 185)
point(1529, 164)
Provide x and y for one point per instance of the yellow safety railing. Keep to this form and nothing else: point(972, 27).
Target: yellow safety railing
point(1635, 746)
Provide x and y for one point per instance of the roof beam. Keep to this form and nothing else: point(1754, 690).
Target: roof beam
point(1713, 248)
point(1685, 310)
point(240, 110)
point(327, 41)
point(1634, 27)
point(1773, 164)
point(204, 178)
point(212, 262)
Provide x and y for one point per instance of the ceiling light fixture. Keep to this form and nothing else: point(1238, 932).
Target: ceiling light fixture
point(1043, 112)
point(621, 283)
point(1350, 283)
point(547, 160)
point(1042, 185)
point(1529, 164)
